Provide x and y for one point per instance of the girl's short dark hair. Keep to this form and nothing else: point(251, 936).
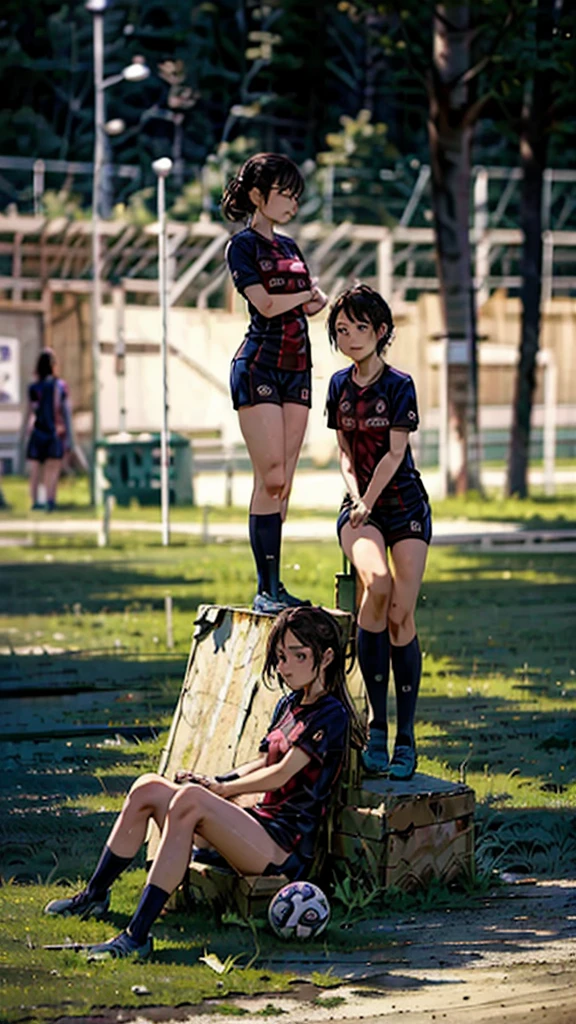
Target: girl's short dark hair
point(45, 364)
point(262, 172)
point(316, 629)
point(362, 303)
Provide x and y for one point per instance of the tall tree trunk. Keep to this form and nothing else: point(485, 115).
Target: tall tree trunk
point(450, 138)
point(533, 150)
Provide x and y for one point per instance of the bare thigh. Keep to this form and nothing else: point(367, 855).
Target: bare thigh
point(262, 428)
point(239, 837)
point(295, 423)
point(364, 546)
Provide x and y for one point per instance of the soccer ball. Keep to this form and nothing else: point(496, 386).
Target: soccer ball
point(299, 910)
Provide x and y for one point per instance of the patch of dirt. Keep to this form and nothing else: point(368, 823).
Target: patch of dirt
point(510, 960)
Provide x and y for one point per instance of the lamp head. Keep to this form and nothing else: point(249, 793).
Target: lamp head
point(115, 126)
point(162, 166)
point(137, 71)
point(96, 6)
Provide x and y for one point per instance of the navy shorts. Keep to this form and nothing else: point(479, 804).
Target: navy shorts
point(399, 524)
point(43, 446)
point(252, 384)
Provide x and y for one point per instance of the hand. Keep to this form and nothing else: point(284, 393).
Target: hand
point(185, 775)
point(359, 513)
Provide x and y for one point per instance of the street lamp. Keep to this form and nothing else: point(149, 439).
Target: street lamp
point(162, 168)
point(137, 71)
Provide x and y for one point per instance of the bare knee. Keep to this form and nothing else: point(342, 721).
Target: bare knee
point(377, 589)
point(274, 479)
point(400, 620)
point(188, 802)
point(146, 790)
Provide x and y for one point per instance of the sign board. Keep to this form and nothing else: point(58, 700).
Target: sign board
point(9, 371)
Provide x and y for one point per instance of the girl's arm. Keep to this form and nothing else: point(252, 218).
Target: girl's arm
point(275, 305)
point(264, 779)
point(187, 775)
point(347, 467)
point(381, 477)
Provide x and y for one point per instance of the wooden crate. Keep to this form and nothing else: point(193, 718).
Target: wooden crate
point(248, 895)
point(403, 834)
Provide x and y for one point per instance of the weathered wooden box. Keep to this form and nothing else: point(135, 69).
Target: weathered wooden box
point(248, 895)
point(403, 834)
point(392, 834)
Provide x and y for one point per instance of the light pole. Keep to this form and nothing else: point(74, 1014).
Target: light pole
point(135, 72)
point(162, 168)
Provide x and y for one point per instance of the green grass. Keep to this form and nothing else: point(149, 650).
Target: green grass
point(495, 708)
point(74, 502)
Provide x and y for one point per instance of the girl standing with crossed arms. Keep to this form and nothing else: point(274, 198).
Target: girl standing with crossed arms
point(373, 408)
point(271, 372)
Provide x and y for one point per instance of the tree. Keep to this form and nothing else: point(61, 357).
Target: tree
point(547, 95)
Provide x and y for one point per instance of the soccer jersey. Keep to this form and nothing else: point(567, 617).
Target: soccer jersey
point(47, 398)
point(292, 813)
point(366, 415)
point(278, 265)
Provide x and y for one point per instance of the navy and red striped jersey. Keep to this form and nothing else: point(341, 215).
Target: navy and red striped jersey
point(280, 341)
point(292, 813)
point(366, 416)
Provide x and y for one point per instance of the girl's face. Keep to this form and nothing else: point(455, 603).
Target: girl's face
point(296, 663)
point(280, 207)
point(357, 339)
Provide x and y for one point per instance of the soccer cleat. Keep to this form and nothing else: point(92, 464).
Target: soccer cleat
point(289, 601)
point(266, 605)
point(121, 947)
point(403, 763)
point(82, 905)
point(375, 755)
point(38, 506)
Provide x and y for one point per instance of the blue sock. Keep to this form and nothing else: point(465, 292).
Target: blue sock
point(109, 868)
point(151, 903)
point(266, 539)
point(374, 660)
point(407, 667)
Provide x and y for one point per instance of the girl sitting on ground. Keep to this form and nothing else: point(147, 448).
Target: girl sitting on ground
point(298, 763)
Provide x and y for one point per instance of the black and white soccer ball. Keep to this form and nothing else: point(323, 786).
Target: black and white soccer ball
point(300, 910)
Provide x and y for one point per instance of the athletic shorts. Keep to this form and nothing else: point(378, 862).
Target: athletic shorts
point(396, 525)
point(43, 446)
point(252, 384)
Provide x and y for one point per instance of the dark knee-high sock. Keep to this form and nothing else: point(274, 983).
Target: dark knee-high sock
point(151, 902)
point(257, 551)
point(109, 868)
point(266, 540)
point(374, 660)
point(407, 667)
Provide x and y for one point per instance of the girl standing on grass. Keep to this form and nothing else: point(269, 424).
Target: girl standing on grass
point(271, 372)
point(373, 408)
point(50, 425)
point(297, 766)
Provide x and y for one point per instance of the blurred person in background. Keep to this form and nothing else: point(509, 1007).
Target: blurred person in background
point(50, 426)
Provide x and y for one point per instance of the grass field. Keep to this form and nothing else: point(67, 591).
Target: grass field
point(495, 708)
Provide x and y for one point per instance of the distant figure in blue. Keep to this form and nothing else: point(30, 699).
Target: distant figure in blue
point(270, 376)
point(50, 425)
point(373, 408)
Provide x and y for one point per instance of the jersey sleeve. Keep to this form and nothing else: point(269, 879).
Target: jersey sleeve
point(331, 408)
point(277, 715)
point(240, 256)
point(404, 407)
point(324, 733)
